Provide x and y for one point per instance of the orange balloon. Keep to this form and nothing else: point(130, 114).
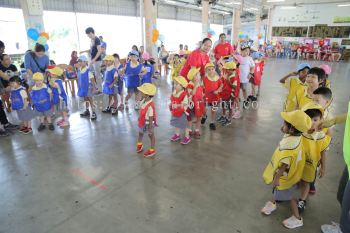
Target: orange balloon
point(44, 34)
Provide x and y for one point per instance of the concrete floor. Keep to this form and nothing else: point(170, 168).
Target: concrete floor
point(89, 179)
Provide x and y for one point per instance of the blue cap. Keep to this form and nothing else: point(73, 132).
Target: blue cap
point(303, 66)
point(255, 55)
point(82, 58)
point(134, 52)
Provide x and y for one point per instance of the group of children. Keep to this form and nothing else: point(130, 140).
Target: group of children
point(43, 100)
point(301, 154)
point(193, 94)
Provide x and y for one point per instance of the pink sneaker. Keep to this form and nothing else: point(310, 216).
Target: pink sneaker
point(236, 114)
point(186, 140)
point(60, 122)
point(64, 124)
point(175, 137)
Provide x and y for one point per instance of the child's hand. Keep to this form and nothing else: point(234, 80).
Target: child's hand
point(276, 182)
point(110, 86)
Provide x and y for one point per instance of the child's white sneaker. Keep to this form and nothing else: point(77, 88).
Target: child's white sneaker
point(269, 208)
point(334, 228)
point(293, 222)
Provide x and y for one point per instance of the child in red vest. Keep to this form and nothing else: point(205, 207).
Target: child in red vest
point(147, 118)
point(197, 107)
point(212, 88)
point(178, 108)
point(229, 94)
point(255, 79)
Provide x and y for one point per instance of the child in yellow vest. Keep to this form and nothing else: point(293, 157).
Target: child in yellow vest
point(316, 78)
point(147, 118)
point(286, 167)
point(293, 82)
point(315, 143)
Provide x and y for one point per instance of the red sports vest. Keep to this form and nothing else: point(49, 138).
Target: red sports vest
point(178, 111)
point(142, 116)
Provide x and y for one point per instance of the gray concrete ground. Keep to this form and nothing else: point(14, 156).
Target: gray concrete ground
point(89, 179)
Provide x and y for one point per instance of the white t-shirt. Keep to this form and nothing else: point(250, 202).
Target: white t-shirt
point(244, 67)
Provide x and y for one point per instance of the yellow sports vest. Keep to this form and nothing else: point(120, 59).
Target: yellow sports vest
point(290, 148)
point(313, 145)
point(302, 97)
point(292, 84)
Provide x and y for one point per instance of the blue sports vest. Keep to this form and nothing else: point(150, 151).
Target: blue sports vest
point(41, 99)
point(16, 99)
point(83, 83)
point(147, 78)
point(109, 77)
point(56, 95)
point(132, 79)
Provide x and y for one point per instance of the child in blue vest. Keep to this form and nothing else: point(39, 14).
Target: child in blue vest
point(20, 104)
point(148, 65)
point(109, 89)
point(133, 72)
point(41, 96)
point(59, 96)
point(86, 87)
point(120, 82)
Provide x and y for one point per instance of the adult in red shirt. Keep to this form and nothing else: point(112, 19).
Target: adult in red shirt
point(198, 58)
point(223, 48)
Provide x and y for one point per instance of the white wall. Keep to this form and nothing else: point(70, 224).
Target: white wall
point(309, 15)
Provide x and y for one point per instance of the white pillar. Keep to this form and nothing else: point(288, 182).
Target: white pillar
point(233, 26)
point(257, 28)
point(142, 25)
point(269, 24)
point(33, 17)
point(236, 25)
point(205, 18)
point(150, 11)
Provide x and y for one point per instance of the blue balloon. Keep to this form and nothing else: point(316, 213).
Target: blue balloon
point(211, 31)
point(46, 47)
point(161, 37)
point(33, 33)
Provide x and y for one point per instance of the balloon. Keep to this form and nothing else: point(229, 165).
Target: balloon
point(45, 34)
point(155, 35)
point(211, 31)
point(46, 47)
point(259, 36)
point(240, 33)
point(161, 37)
point(159, 43)
point(209, 35)
point(241, 36)
point(33, 33)
point(41, 40)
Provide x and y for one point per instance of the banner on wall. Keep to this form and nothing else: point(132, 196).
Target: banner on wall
point(339, 19)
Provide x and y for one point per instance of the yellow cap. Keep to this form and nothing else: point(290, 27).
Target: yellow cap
point(56, 71)
point(312, 105)
point(182, 81)
point(38, 76)
point(148, 89)
point(193, 71)
point(230, 65)
point(298, 119)
point(108, 58)
point(209, 65)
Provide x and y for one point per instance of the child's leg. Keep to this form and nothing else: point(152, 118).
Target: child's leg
point(187, 132)
point(224, 107)
point(253, 89)
point(212, 115)
point(304, 190)
point(91, 101)
point(25, 124)
point(177, 131)
point(86, 99)
point(29, 124)
point(190, 124)
point(42, 119)
point(153, 140)
point(294, 208)
point(115, 101)
point(109, 101)
point(65, 115)
point(139, 139)
point(198, 124)
point(49, 119)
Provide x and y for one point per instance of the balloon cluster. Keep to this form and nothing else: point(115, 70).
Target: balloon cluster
point(211, 33)
point(157, 38)
point(241, 37)
point(259, 36)
point(38, 37)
